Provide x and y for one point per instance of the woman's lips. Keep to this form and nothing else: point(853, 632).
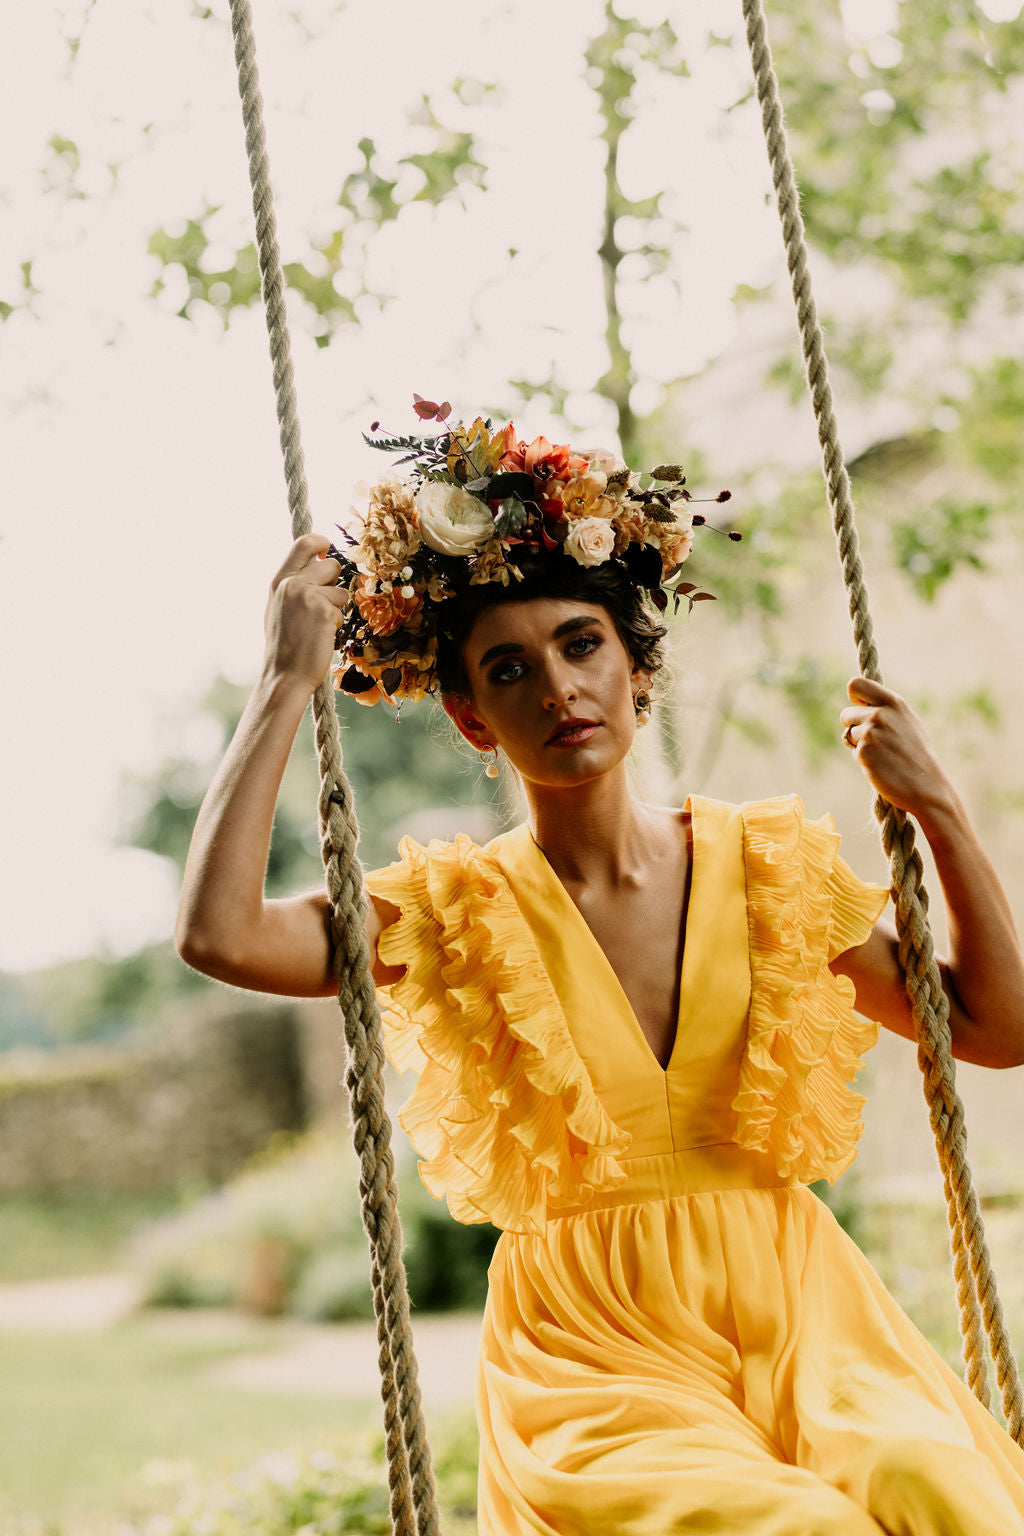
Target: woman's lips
point(573, 732)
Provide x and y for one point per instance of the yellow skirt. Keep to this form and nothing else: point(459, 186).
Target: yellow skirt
point(721, 1361)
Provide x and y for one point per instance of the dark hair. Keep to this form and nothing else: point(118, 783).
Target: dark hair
point(551, 576)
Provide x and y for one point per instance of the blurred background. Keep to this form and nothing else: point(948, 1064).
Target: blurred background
point(560, 215)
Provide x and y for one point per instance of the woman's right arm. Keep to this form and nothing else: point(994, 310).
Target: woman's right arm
point(226, 927)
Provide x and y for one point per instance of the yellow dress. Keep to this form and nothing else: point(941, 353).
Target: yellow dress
point(678, 1335)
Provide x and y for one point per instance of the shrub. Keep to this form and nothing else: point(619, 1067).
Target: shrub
point(332, 1490)
point(286, 1236)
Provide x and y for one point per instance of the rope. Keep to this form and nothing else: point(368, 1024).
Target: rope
point(413, 1496)
point(975, 1282)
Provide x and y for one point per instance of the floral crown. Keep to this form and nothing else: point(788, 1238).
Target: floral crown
point(470, 500)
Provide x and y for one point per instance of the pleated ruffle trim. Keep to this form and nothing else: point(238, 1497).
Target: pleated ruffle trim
point(805, 1041)
point(504, 1116)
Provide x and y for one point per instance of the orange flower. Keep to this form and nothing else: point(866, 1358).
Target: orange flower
point(386, 611)
point(583, 496)
point(543, 460)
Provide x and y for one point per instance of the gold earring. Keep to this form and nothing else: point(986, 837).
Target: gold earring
point(489, 758)
point(642, 705)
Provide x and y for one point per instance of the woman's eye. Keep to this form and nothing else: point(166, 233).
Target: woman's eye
point(583, 645)
point(579, 645)
point(507, 673)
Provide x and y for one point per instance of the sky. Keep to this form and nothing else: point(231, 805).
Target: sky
point(142, 504)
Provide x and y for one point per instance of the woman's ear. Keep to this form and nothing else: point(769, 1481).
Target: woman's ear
point(460, 712)
point(641, 678)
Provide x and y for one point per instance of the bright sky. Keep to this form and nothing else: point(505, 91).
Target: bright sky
point(142, 501)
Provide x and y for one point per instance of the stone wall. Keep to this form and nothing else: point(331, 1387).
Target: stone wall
point(180, 1107)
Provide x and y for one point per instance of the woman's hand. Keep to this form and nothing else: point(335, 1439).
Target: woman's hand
point(893, 748)
point(303, 613)
point(984, 975)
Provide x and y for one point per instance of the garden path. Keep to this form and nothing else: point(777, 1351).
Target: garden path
point(336, 1359)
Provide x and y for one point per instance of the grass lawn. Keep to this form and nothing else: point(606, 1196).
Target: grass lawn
point(43, 1238)
point(82, 1414)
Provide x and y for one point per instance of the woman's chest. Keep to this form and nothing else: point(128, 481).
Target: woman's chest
point(642, 935)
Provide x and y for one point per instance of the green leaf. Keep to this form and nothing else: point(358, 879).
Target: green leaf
point(512, 483)
point(511, 517)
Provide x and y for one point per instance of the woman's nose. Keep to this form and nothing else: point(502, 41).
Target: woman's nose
point(559, 687)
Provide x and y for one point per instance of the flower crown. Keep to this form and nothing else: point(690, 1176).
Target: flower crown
point(472, 497)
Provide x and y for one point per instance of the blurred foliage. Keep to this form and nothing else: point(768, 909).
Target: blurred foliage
point(286, 1236)
point(945, 535)
point(811, 689)
point(397, 765)
point(337, 1488)
point(910, 162)
point(92, 998)
point(858, 112)
point(330, 278)
point(61, 171)
point(22, 1020)
point(845, 1202)
point(24, 298)
point(619, 60)
point(990, 418)
point(45, 1237)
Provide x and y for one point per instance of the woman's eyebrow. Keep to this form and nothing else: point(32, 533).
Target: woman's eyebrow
point(567, 627)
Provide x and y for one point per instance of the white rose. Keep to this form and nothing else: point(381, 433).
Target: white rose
point(453, 521)
point(603, 460)
point(590, 540)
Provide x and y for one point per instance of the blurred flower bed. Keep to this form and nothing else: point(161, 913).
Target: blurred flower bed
point(334, 1488)
point(285, 1237)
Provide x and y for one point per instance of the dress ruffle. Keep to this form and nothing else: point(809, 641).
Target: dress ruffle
point(805, 1041)
point(504, 1114)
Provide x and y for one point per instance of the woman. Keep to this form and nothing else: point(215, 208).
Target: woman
point(635, 1033)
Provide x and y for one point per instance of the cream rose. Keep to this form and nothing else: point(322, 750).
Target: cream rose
point(453, 521)
point(603, 461)
point(590, 540)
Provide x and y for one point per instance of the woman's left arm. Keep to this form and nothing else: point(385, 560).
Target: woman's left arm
point(984, 973)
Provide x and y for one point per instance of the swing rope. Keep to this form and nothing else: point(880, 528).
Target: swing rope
point(413, 1498)
point(975, 1281)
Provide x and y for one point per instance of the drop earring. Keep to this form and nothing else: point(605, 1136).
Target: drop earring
point(489, 758)
point(642, 705)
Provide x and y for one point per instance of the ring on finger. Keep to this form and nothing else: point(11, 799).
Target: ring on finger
point(848, 738)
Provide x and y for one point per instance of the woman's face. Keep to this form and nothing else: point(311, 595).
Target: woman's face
point(552, 685)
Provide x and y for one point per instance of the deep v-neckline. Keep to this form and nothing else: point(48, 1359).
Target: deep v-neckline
point(604, 963)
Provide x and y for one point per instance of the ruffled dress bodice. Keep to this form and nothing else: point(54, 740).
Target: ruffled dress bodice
point(537, 1088)
point(678, 1336)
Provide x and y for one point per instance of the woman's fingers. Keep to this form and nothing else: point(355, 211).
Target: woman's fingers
point(862, 690)
point(302, 558)
point(324, 570)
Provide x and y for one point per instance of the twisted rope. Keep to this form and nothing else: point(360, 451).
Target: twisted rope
point(975, 1282)
point(413, 1496)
